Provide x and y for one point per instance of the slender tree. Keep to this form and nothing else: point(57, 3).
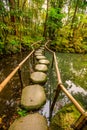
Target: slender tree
point(45, 24)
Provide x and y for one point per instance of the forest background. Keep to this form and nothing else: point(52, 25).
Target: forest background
point(22, 22)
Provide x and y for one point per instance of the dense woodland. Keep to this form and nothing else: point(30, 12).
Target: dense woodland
point(24, 21)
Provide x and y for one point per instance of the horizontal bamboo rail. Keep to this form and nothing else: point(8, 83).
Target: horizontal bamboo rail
point(79, 108)
point(4, 83)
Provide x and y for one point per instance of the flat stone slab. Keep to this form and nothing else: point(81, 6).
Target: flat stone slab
point(44, 61)
point(30, 122)
point(41, 67)
point(39, 51)
point(33, 97)
point(40, 57)
point(38, 54)
point(42, 48)
point(38, 77)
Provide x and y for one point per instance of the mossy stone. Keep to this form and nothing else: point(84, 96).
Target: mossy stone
point(44, 61)
point(30, 122)
point(33, 97)
point(41, 67)
point(38, 54)
point(40, 57)
point(38, 51)
point(38, 77)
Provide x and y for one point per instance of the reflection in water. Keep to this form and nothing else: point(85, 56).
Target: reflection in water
point(45, 110)
point(80, 72)
point(72, 88)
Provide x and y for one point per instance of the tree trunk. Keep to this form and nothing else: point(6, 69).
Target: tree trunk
point(71, 38)
point(12, 8)
point(24, 4)
point(74, 15)
point(12, 17)
point(45, 24)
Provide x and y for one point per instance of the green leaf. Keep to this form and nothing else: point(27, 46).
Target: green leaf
point(22, 112)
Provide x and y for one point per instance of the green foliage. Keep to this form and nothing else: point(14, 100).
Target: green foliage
point(2, 25)
point(54, 20)
point(1, 47)
point(64, 118)
point(22, 24)
point(53, 12)
point(27, 41)
point(14, 42)
point(2, 8)
point(12, 45)
point(85, 47)
point(22, 112)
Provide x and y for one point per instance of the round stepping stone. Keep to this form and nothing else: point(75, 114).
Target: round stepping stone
point(39, 51)
point(38, 77)
point(33, 97)
point(40, 57)
point(42, 48)
point(41, 67)
point(30, 122)
point(44, 61)
point(38, 54)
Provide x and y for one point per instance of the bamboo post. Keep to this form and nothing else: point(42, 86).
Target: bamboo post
point(80, 122)
point(20, 77)
point(52, 61)
point(55, 99)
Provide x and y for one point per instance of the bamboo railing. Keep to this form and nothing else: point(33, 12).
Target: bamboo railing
point(60, 87)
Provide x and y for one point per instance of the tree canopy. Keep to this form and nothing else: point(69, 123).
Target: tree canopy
point(24, 21)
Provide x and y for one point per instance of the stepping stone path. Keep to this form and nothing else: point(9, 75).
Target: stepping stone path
point(34, 97)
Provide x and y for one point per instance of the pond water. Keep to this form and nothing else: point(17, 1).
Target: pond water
point(73, 70)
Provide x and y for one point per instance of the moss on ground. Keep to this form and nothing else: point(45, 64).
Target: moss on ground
point(64, 118)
